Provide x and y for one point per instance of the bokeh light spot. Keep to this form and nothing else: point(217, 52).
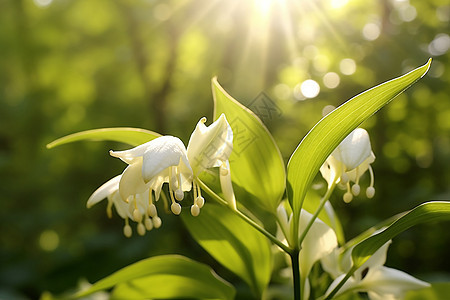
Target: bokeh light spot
point(371, 31)
point(310, 88)
point(43, 3)
point(439, 45)
point(338, 3)
point(347, 66)
point(331, 80)
point(49, 240)
point(327, 109)
point(408, 13)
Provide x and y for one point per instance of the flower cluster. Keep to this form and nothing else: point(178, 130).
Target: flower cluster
point(348, 162)
point(166, 160)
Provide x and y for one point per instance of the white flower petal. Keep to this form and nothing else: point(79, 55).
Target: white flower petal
point(121, 206)
point(331, 169)
point(226, 184)
point(362, 168)
point(104, 191)
point(131, 182)
point(210, 146)
point(354, 149)
point(388, 281)
point(130, 155)
point(331, 263)
point(162, 153)
point(376, 260)
point(319, 242)
point(375, 296)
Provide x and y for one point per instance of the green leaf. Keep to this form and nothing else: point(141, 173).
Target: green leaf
point(436, 291)
point(326, 135)
point(256, 162)
point(164, 277)
point(131, 136)
point(427, 212)
point(234, 243)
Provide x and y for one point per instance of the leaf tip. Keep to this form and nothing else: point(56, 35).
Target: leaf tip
point(427, 65)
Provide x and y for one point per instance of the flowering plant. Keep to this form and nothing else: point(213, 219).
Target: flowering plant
point(242, 181)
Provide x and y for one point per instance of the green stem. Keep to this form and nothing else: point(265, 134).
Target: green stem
point(296, 273)
point(318, 210)
point(336, 289)
point(244, 217)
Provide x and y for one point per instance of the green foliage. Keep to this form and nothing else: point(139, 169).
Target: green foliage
point(256, 162)
point(67, 66)
point(131, 136)
point(164, 277)
point(234, 243)
point(326, 135)
point(427, 212)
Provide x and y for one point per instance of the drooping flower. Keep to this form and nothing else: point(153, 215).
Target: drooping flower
point(166, 160)
point(348, 162)
point(154, 163)
point(209, 147)
point(373, 277)
point(141, 209)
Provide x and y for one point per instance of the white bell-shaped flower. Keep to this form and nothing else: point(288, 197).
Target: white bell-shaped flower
point(209, 147)
point(150, 165)
point(166, 160)
point(348, 162)
point(319, 242)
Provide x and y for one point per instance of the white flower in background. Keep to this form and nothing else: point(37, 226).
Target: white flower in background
point(320, 240)
point(378, 281)
point(166, 160)
point(348, 162)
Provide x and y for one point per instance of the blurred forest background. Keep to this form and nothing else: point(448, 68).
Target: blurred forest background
point(68, 66)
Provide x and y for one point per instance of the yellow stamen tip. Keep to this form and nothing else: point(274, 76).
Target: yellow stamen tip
point(176, 208)
point(127, 231)
point(157, 222)
point(141, 229)
point(348, 197)
point(195, 210)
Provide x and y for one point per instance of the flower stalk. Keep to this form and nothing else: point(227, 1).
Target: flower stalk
point(255, 225)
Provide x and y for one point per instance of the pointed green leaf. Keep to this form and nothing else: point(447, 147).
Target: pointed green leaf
point(427, 212)
point(164, 277)
point(256, 163)
point(326, 135)
point(131, 136)
point(233, 243)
